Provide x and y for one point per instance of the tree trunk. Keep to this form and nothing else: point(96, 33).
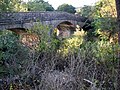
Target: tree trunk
point(118, 20)
point(118, 17)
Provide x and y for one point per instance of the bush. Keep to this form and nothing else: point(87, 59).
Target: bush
point(12, 54)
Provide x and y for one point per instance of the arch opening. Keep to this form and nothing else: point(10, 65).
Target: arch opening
point(64, 29)
point(18, 31)
point(27, 39)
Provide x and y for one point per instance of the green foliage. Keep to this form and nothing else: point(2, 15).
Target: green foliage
point(104, 55)
point(8, 42)
point(66, 8)
point(39, 5)
point(105, 20)
point(105, 24)
point(47, 42)
point(12, 54)
point(12, 5)
point(5, 5)
point(33, 65)
point(103, 51)
point(107, 52)
point(86, 11)
point(95, 61)
point(70, 45)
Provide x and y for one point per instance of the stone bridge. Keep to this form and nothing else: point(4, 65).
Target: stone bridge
point(19, 22)
point(25, 20)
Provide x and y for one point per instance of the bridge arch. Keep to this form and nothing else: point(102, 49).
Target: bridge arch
point(64, 28)
point(68, 22)
point(17, 30)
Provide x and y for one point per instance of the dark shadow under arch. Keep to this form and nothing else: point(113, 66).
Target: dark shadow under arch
point(18, 30)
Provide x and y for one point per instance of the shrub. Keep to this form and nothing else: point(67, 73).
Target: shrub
point(12, 54)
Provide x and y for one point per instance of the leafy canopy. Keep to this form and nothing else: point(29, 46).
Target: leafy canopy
point(12, 5)
point(66, 8)
point(39, 5)
point(85, 11)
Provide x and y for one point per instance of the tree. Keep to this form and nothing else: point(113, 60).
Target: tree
point(5, 5)
point(39, 5)
point(107, 8)
point(118, 17)
point(66, 8)
point(85, 11)
point(12, 5)
point(104, 15)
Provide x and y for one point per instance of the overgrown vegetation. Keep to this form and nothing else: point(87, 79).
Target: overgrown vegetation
point(80, 62)
point(85, 65)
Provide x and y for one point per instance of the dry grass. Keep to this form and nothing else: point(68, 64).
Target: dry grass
point(52, 71)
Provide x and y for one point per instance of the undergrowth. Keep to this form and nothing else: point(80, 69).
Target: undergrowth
point(71, 64)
